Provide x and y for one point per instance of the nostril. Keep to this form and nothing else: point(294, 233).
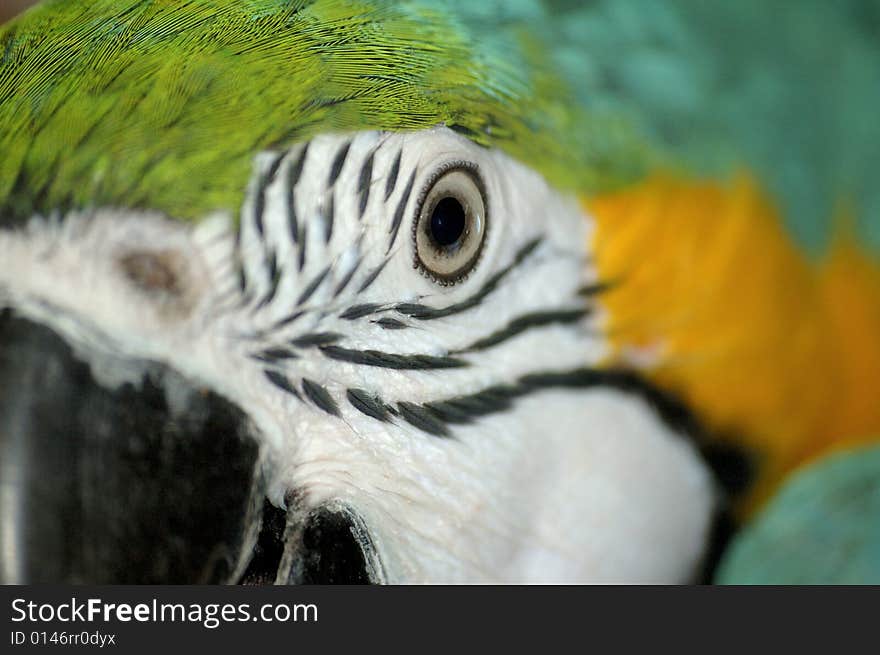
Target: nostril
point(335, 549)
point(327, 545)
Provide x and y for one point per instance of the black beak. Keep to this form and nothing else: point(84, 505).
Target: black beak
point(153, 481)
point(149, 484)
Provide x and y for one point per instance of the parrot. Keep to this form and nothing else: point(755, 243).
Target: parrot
point(362, 291)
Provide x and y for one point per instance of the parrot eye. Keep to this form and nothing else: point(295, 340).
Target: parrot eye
point(450, 226)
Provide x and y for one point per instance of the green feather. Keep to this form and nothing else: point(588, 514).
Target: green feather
point(163, 104)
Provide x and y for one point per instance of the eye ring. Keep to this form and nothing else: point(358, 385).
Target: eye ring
point(451, 223)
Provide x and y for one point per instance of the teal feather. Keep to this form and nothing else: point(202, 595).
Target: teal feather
point(788, 90)
point(823, 527)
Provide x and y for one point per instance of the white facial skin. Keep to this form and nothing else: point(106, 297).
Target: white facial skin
point(564, 484)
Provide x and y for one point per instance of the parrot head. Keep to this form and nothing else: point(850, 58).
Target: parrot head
point(261, 327)
point(366, 291)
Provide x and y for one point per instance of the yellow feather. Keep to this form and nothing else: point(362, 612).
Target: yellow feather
point(714, 301)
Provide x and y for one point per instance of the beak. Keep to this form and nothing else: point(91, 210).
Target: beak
point(151, 481)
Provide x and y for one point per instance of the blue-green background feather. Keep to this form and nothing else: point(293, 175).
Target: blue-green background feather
point(822, 528)
point(790, 90)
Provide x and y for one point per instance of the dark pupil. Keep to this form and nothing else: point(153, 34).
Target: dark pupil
point(447, 221)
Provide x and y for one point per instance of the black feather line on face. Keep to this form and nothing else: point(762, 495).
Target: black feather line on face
point(368, 404)
point(423, 419)
point(401, 208)
point(328, 213)
point(364, 181)
point(313, 286)
point(320, 396)
point(274, 274)
point(358, 311)
point(302, 247)
point(391, 324)
point(527, 322)
point(391, 360)
point(316, 339)
point(275, 355)
point(265, 181)
point(293, 176)
point(392, 176)
point(281, 381)
point(338, 163)
point(345, 280)
point(372, 276)
point(424, 312)
point(466, 409)
point(287, 320)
